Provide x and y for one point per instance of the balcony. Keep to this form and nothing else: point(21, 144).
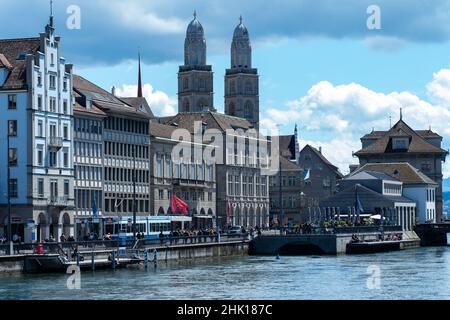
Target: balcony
point(55, 142)
point(58, 202)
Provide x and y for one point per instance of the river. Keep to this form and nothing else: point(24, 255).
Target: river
point(422, 273)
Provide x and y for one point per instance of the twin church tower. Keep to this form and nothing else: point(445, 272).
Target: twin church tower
point(195, 77)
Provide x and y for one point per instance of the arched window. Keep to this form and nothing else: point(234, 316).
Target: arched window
point(186, 107)
point(232, 109)
point(161, 211)
point(232, 87)
point(202, 105)
point(202, 85)
point(186, 84)
point(248, 110)
point(248, 87)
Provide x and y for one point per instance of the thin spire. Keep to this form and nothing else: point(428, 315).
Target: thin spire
point(390, 122)
point(401, 114)
point(240, 19)
point(195, 14)
point(139, 94)
point(51, 13)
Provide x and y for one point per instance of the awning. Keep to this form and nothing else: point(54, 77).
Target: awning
point(180, 218)
point(203, 217)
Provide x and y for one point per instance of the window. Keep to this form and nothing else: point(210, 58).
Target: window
point(40, 128)
point(12, 157)
point(66, 132)
point(66, 157)
point(52, 104)
point(65, 110)
point(425, 167)
point(13, 188)
point(41, 187)
point(39, 79)
point(230, 185)
point(52, 159)
point(159, 166)
point(66, 188)
point(53, 188)
point(400, 143)
point(202, 85)
point(161, 194)
point(40, 155)
point(52, 59)
point(12, 128)
point(167, 170)
point(52, 81)
point(65, 85)
point(186, 84)
point(12, 101)
point(39, 103)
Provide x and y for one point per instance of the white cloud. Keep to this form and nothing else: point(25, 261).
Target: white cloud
point(337, 116)
point(160, 103)
point(133, 16)
point(439, 88)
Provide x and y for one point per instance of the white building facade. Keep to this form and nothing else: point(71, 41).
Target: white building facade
point(36, 105)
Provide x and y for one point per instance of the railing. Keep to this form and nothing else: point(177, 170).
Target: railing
point(89, 246)
point(186, 240)
point(56, 201)
point(55, 142)
point(59, 247)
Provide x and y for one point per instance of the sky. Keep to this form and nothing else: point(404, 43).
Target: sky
point(320, 65)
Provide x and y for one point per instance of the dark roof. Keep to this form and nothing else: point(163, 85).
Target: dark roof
point(323, 159)
point(383, 143)
point(11, 49)
point(369, 199)
point(161, 130)
point(367, 174)
point(213, 120)
point(139, 102)
point(374, 135)
point(288, 165)
point(287, 145)
point(403, 172)
point(104, 100)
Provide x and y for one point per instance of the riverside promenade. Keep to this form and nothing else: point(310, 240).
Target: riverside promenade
point(57, 257)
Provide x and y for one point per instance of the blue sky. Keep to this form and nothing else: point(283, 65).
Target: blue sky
point(319, 64)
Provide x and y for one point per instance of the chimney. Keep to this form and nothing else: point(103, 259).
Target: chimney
point(320, 150)
point(113, 91)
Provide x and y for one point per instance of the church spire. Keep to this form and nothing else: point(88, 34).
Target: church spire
point(139, 94)
point(401, 113)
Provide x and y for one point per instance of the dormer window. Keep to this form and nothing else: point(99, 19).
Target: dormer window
point(400, 143)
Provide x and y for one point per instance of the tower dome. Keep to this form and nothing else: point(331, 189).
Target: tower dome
point(241, 49)
point(195, 28)
point(241, 32)
point(195, 44)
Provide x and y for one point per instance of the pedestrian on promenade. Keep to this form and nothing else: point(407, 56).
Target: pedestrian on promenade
point(161, 237)
point(62, 238)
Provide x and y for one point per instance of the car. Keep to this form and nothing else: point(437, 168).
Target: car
point(235, 230)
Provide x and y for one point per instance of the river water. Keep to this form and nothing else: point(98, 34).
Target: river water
point(422, 273)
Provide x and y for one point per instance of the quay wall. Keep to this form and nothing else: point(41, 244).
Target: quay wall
point(199, 251)
point(11, 264)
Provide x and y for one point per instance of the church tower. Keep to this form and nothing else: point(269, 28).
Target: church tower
point(241, 80)
point(195, 77)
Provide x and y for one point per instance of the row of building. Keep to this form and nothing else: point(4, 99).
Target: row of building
point(79, 155)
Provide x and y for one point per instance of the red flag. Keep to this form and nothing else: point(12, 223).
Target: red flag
point(179, 206)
